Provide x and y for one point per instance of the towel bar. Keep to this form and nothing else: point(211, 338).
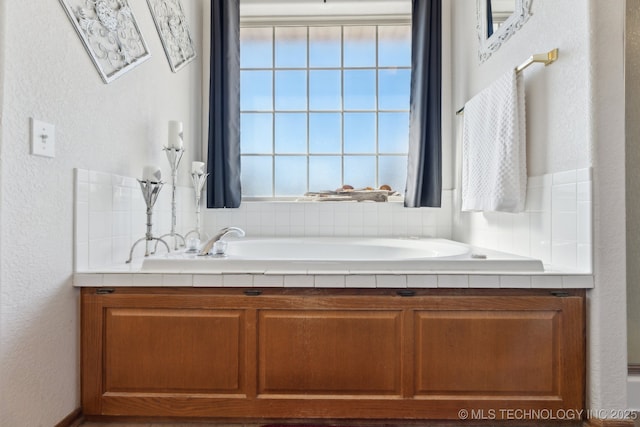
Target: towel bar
point(544, 58)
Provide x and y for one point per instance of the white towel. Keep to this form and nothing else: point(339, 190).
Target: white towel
point(494, 164)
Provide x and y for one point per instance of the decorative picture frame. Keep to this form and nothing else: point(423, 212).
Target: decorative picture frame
point(488, 45)
point(110, 34)
point(172, 27)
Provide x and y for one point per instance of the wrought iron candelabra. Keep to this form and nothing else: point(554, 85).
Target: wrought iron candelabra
point(150, 191)
point(174, 155)
point(198, 183)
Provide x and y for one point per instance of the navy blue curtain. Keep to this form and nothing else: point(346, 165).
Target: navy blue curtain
point(489, 19)
point(223, 159)
point(424, 168)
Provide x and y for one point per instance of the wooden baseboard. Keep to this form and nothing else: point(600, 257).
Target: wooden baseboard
point(599, 422)
point(72, 420)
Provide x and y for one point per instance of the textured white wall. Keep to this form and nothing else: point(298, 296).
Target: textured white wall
point(607, 319)
point(633, 177)
point(556, 96)
point(116, 128)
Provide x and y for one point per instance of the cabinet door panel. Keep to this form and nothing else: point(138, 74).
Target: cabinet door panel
point(173, 350)
point(329, 352)
point(487, 353)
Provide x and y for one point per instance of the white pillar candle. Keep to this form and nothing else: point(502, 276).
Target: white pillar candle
point(197, 168)
point(175, 134)
point(151, 173)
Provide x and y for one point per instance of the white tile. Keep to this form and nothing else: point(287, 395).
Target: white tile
point(87, 279)
point(147, 279)
point(584, 223)
point(430, 217)
point(484, 282)
point(283, 230)
point(538, 199)
point(370, 216)
point(584, 192)
point(391, 281)
point(435, 232)
point(282, 214)
point(122, 199)
point(99, 253)
point(182, 280)
point(584, 261)
point(237, 280)
point(312, 230)
point(360, 281)
point(82, 192)
point(564, 198)
point(355, 231)
point(329, 281)
point(540, 234)
point(385, 217)
point(422, 281)
point(82, 175)
point(96, 177)
point(519, 282)
point(100, 198)
point(453, 281)
point(81, 251)
point(276, 281)
point(311, 214)
point(546, 282)
point(385, 231)
point(564, 226)
point(100, 225)
point(267, 230)
point(208, 280)
point(297, 231)
point(577, 282)
point(340, 230)
point(566, 177)
point(82, 223)
point(564, 255)
point(326, 219)
point(298, 281)
point(117, 279)
point(120, 247)
point(522, 234)
point(584, 175)
point(121, 224)
point(297, 216)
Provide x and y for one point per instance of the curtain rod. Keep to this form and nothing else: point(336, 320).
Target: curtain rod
point(544, 58)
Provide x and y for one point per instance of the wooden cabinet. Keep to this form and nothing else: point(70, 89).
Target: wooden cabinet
point(330, 354)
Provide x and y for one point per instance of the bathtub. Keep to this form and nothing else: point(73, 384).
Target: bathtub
point(348, 255)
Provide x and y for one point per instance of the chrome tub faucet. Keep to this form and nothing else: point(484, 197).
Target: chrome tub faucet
point(217, 243)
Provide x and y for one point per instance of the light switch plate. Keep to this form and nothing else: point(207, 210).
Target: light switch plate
point(43, 138)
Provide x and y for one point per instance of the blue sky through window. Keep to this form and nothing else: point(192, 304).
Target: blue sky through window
point(323, 106)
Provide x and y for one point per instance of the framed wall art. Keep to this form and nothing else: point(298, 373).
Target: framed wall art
point(171, 23)
point(110, 34)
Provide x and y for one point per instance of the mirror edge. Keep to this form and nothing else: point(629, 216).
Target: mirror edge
point(487, 46)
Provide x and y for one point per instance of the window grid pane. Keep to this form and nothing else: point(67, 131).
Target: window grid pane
point(329, 121)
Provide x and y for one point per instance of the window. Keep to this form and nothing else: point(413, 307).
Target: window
point(323, 106)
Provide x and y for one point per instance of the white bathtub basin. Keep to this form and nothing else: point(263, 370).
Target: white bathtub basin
point(342, 256)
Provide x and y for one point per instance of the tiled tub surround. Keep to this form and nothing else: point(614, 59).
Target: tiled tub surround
point(110, 217)
point(555, 227)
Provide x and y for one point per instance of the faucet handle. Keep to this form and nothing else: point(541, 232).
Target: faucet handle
point(220, 247)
